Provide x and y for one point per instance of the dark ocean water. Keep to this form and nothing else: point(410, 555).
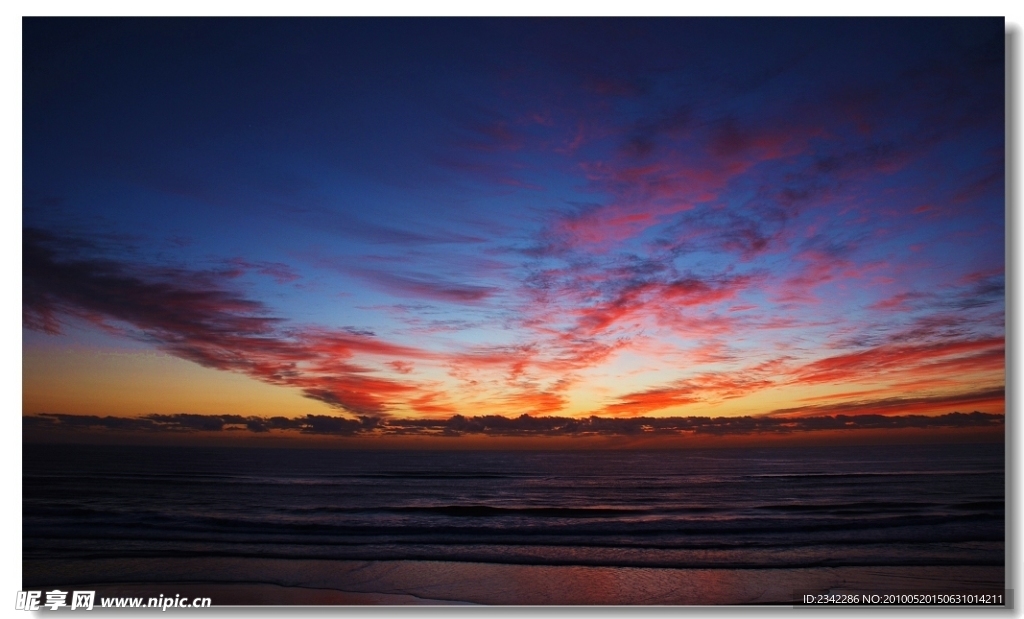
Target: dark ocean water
point(723, 508)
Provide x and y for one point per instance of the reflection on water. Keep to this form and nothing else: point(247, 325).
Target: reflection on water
point(726, 508)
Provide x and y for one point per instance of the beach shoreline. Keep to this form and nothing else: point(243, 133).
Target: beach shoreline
point(273, 582)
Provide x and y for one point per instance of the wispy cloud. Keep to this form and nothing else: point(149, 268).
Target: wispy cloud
point(909, 359)
point(195, 316)
point(988, 399)
point(421, 285)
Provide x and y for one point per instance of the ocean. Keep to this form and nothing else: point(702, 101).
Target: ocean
point(125, 515)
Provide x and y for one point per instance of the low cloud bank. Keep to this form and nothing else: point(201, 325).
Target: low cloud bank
point(522, 426)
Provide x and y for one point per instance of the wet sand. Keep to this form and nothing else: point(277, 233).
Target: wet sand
point(239, 581)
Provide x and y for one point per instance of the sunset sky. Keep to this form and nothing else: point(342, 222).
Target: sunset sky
point(393, 222)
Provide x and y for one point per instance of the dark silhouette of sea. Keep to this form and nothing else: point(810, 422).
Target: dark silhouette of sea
point(91, 513)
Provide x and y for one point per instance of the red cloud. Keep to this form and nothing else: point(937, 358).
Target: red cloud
point(429, 403)
point(659, 299)
point(710, 387)
point(890, 360)
point(652, 400)
point(402, 367)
